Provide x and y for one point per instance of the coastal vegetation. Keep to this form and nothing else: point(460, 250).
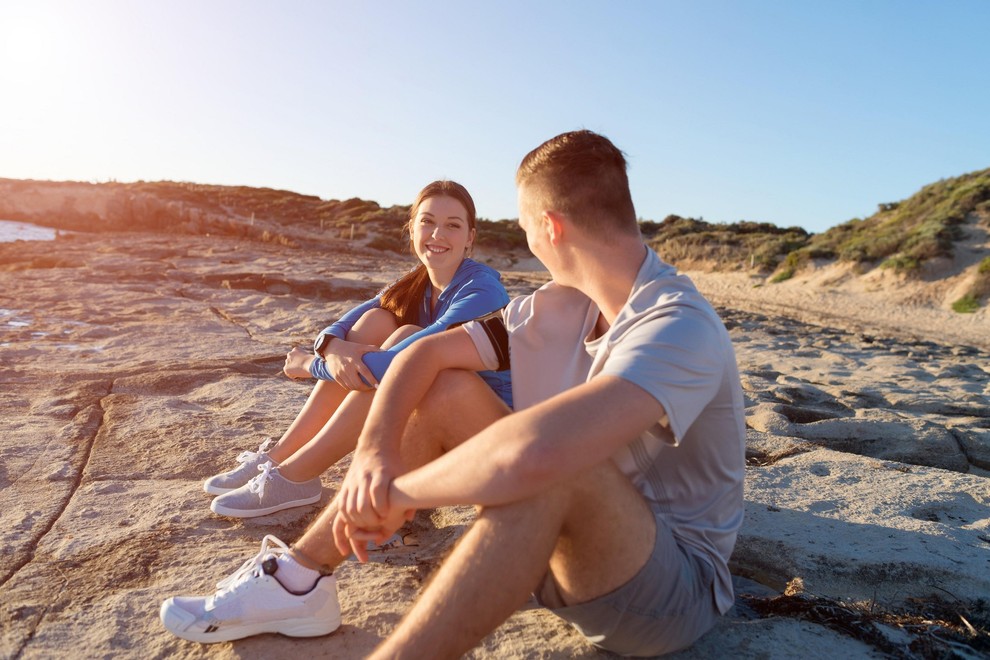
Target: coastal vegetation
point(260, 213)
point(979, 290)
point(903, 237)
point(694, 243)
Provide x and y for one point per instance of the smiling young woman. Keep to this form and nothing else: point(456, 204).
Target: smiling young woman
point(445, 288)
point(442, 227)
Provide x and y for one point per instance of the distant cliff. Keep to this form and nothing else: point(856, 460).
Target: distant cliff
point(190, 208)
point(187, 208)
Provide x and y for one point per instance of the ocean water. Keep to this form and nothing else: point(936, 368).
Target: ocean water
point(13, 231)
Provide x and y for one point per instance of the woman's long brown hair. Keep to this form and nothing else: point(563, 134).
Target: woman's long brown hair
point(404, 296)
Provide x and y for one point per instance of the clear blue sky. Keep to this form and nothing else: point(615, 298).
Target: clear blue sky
point(791, 112)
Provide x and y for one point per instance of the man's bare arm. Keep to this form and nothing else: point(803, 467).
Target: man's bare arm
point(409, 379)
point(531, 450)
point(363, 498)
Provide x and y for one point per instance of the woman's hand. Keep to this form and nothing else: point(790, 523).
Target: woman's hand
point(297, 363)
point(346, 366)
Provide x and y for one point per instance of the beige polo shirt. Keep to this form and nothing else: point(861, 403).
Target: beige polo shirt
point(668, 340)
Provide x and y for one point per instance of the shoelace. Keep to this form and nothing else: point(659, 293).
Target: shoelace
point(230, 583)
point(257, 484)
point(249, 456)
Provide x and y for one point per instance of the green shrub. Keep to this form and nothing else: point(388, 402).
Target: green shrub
point(792, 262)
point(901, 264)
point(725, 246)
point(500, 235)
point(782, 276)
point(966, 305)
point(980, 288)
point(820, 253)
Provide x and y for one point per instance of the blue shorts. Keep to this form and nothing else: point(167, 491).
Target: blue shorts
point(665, 607)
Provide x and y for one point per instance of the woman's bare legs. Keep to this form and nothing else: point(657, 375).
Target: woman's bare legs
point(374, 327)
point(334, 441)
point(339, 435)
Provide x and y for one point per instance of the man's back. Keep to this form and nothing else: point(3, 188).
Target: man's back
point(667, 339)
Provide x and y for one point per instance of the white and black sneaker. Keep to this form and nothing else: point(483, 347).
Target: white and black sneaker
point(252, 601)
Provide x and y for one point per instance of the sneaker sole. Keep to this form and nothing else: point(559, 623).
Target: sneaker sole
point(216, 490)
point(175, 620)
point(254, 513)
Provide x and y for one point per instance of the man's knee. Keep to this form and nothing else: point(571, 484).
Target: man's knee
point(458, 405)
point(605, 490)
point(451, 390)
point(599, 501)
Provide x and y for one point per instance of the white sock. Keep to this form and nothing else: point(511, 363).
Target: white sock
point(294, 576)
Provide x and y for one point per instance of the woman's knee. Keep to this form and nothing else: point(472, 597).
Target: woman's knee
point(374, 327)
point(400, 334)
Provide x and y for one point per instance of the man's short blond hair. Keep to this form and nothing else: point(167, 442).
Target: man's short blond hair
point(581, 175)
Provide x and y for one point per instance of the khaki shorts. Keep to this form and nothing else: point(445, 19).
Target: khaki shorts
point(668, 605)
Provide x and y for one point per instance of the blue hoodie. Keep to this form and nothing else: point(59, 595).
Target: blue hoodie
point(475, 290)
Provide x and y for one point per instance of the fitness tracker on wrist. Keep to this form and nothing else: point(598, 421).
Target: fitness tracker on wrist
point(321, 343)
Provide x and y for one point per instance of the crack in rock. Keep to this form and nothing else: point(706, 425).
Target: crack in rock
point(87, 451)
point(230, 319)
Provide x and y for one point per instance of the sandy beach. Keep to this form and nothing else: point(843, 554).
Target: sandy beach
point(134, 366)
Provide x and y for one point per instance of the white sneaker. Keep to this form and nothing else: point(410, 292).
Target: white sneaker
point(267, 493)
point(252, 601)
point(240, 475)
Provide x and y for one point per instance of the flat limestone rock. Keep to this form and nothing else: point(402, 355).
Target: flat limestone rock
point(132, 368)
point(855, 528)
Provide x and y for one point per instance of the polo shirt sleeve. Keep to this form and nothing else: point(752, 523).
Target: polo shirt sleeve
point(491, 340)
point(678, 358)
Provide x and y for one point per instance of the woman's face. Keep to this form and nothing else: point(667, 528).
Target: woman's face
point(441, 234)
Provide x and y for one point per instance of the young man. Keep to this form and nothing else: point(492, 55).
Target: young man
point(614, 492)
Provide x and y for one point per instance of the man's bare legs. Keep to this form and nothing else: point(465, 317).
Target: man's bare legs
point(374, 328)
point(506, 553)
point(431, 431)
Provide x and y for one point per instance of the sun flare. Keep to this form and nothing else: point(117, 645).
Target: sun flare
point(33, 41)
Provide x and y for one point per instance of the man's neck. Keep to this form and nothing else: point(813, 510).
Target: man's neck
point(606, 274)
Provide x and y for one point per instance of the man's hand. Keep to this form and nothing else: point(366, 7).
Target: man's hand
point(346, 366)
point(356, 539)
point(362, 503)
point(297, 363)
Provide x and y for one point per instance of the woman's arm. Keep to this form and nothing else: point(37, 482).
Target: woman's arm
point(482, 296)
point(343, 325)
point(334, 358)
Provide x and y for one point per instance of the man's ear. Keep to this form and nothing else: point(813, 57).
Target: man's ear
point(553, 225)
